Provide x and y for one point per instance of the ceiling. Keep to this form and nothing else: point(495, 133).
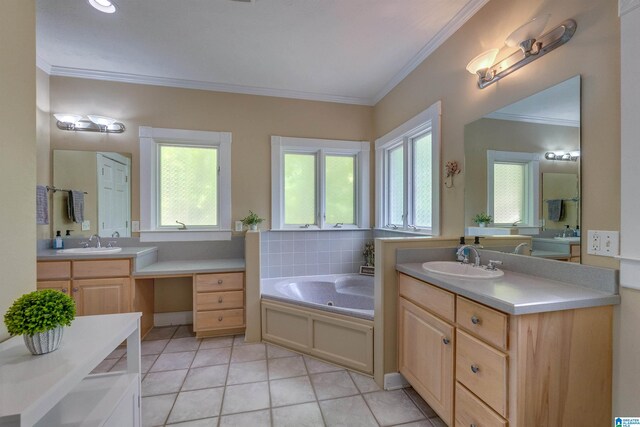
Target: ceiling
point(351, 51)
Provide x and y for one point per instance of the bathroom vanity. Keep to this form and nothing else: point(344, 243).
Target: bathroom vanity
point(515, 351)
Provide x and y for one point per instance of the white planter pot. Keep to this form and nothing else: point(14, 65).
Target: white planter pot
point(482, 224)
point(44, 342)
point(253, 227)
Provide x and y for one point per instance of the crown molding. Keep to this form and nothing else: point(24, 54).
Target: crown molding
point(80, 73)
point(441, 36)
point(626, 6)
point(533, 119)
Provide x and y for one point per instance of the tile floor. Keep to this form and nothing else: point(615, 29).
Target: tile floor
point(226, 382)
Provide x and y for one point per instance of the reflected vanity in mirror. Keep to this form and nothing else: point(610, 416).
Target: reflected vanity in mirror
point(104, 178)
point(522, 167)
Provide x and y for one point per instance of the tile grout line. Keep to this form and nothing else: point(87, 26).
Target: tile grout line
point(313, 388)
point(178, 393)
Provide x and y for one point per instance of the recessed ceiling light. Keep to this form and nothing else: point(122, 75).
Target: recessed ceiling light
point(103, 5)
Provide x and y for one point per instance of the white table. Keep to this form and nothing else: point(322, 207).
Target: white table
point(57, 388)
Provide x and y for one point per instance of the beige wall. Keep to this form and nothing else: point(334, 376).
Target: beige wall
point(251, 119)
point(43, 141)
point(17, 151)
point(594, 52)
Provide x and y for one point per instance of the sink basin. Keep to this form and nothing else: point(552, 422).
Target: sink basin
point(459, 270)
point(89, 251)
point(568, 239)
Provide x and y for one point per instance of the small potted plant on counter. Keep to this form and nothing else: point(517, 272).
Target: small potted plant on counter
point(252, 220)
point(39, 317)
point(482, 219)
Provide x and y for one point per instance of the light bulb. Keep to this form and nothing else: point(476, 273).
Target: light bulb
point(482, 61)
point(67, 118)
point(101, 120)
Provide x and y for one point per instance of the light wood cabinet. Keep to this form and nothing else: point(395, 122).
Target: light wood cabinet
point(63, 286)
point(550, 369)
point(102, 296)
point(218, 301)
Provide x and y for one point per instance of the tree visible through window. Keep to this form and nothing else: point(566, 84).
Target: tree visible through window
point(299, 188)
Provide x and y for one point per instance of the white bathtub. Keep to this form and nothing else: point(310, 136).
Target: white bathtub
point(350, 294)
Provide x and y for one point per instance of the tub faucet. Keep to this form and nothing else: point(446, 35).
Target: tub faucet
point(520, 246)
point(97, 238)
point(476, 261)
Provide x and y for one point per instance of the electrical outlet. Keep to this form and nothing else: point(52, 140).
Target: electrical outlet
point(238, 225)
point(593, 242)
point(86, 225)
point(135, 226)
point(603, 243)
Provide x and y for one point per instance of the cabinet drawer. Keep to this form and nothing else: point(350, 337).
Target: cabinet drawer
point(63, 286)
point(102, 268)
point(575, 250)
point(471, 411)
point(219, 300)
point(483, 322)
point(483, 370)
point(54, 270)
point(219, 319)
point(427, 296)
point(219, 282)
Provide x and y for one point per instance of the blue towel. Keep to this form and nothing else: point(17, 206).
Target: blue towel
point(42, 205)
point(555, 209)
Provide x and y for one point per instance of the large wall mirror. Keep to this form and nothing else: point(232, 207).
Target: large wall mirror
point(104, 179)
point(522, 167)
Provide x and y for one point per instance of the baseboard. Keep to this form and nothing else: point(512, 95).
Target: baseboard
point(173, 318)
point(394, 381)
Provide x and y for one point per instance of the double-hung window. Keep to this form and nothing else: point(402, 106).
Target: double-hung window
point(407, 175)
point(185, 185)
point(513, 187)
point(319, 184)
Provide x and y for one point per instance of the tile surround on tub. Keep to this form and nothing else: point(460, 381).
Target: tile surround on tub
point(309, 253)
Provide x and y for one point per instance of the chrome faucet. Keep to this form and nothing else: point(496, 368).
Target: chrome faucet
point(95, 236)
point(476, 261)
point(520, 246)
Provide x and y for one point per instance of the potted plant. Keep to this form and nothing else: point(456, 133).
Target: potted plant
point(39, 317)
point(252, 220)
point(482, 219)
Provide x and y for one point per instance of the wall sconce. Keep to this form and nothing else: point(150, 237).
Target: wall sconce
point(532, 46)
point(92, 123)
point(572, 156)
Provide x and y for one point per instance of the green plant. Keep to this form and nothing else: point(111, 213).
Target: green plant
point(482, 217)
point(252, 219)
point(39, 311)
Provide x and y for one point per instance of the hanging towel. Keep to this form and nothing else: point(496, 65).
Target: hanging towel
point(75, 206)
point(555, 209)
point(42, 205)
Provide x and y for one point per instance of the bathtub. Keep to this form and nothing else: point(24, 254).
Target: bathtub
point(348, 294)
point(329, 317)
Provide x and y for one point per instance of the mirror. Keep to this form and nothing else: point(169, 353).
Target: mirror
point(103, 178)
point(522, 167)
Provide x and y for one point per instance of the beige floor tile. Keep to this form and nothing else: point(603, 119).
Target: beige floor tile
point(163, 382)
point(205, 377)
point(117, 353)
point(421, 423)
point(392, 407)
point(330, 385)
point(182, 344)
point(347, 412)
point(207, 422)
point(155, 409)
point(146, 363)
point(238, 340)
point(437, 422)
point(274, 352)
point(247, 419)
point(193, 405)
point(304, 415)
point(104, 366)
point(286, 367)
point(172, 361)
point(420, 403)
point(184, 331)
point(247, 372)
point(153, 347)
point(212, 356)
point(364, 383)
point(216, 342)
point(161, 333)
point(315, 366)
point(290, 391)
point(245, 397)
point(248, 353)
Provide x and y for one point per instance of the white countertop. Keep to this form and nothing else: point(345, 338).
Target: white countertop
point(132, 252)
point(169, 268)
point(516, 293)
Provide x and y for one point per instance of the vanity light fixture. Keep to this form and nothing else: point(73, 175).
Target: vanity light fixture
point(532, 46)
point(93, 123)
point(105, 6)
point(572, 156)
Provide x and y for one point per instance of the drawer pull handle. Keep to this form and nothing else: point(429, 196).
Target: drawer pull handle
point(219, 281)
point(475, 368)
point(64, 290)
point(472, 425)
point(446, 341)
point(219, 318)
point(220, 299)
point(75, 289)
point(475, 320)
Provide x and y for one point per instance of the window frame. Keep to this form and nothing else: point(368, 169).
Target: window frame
point(150, 140)
point(321, 148)
point(532, 190)
point(404, 135)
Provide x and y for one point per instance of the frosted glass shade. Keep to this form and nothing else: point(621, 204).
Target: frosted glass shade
point(531, 30)
point(67, 118)
point(101, 120)
point(484, 60)
point(103, 5)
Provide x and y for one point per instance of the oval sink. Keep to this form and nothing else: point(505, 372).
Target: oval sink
point(89, 251)
point(568, 239)
point(463, 271)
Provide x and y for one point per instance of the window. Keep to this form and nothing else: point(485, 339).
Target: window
point(512, 187)
point(407, 175)
point(319, 184)
point(185, 178)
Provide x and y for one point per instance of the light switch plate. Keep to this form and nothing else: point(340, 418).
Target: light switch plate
point(135, 226)
point(86, 225)
point(603, 243)
point(238, 225)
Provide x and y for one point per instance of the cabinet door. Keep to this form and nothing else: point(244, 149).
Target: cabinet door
point(102, 296)
point(59, 285)
point(426, 355)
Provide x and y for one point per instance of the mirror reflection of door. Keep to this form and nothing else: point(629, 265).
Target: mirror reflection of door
point(113, 195)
